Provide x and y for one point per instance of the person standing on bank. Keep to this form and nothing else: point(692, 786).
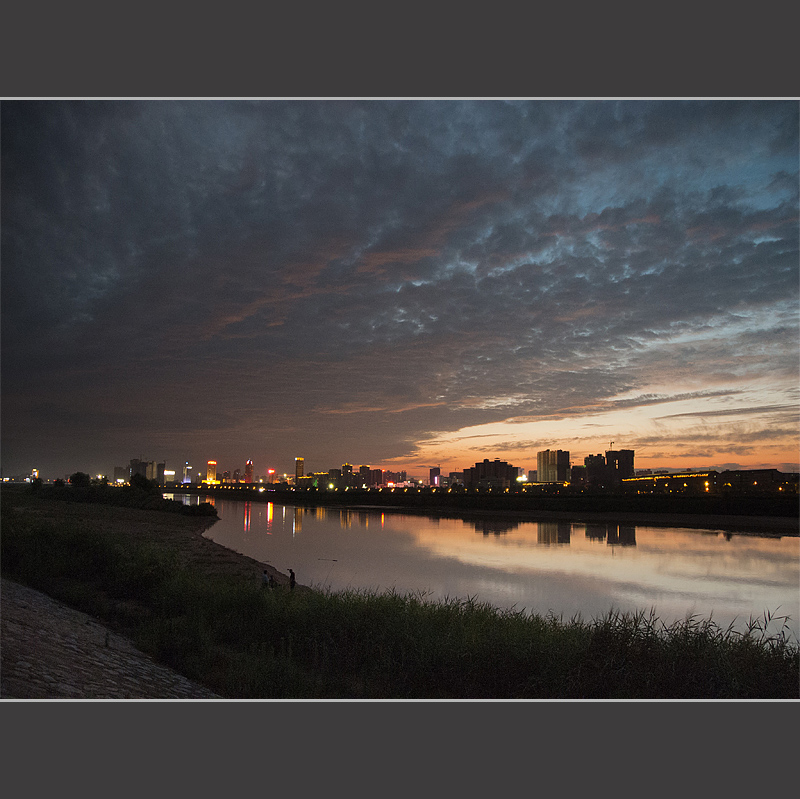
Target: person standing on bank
point(292, 581)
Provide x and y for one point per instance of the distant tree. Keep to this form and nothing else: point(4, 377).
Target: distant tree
point(80, 480)
point(140, 482)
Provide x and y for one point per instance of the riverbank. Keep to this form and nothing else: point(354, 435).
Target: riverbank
point(52, 651)
point(199, 609)
point(144, 527)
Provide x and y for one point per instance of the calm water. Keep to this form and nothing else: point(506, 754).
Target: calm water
point(566, 567)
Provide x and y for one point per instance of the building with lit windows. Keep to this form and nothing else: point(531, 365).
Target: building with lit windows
point(211, 471)
point(552, 466)
point(299, 465)
point(743, 481)
point(619, 465)
point(248, 472)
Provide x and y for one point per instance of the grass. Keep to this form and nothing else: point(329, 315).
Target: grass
point(245, 641)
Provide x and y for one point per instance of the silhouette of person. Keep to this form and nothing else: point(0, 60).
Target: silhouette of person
point(292, 581)
point(266, 580)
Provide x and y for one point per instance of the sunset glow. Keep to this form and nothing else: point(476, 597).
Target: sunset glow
point(405, 284)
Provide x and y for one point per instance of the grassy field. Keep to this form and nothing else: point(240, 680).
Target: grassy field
point(246, 641)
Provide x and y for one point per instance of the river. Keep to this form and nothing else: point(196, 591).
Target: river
point(565, 567)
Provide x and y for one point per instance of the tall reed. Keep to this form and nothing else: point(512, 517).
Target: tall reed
point(245, 641)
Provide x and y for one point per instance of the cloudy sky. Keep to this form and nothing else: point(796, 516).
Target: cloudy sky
point(398, 283)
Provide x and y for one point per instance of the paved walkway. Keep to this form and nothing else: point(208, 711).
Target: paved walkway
point(50, 651)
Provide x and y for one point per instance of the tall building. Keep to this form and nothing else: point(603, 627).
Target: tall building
point(248, 472)
point(187, 476)
point(619, 465)
point(211, 471)
point(434, 475)
point(595, 466)
point(552, 466)
point(347, 475)
point(298, 468)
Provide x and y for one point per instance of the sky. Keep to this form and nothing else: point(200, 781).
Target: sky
point(399, 283)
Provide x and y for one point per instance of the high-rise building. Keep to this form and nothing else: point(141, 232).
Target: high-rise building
point(299, 464)
point(347, 475)
point(187, 476)
point(552, 466)
point(434, 475)
point(619, 465)
point(596, 474)
point(248, 472)
point(211, 471)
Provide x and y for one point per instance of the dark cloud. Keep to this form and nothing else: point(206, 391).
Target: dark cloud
point(351, 278)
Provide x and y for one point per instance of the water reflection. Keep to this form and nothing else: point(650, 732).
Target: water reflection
point(568, 567)
point(493, 527)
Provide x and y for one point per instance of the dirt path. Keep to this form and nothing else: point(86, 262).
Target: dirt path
point(51, 651)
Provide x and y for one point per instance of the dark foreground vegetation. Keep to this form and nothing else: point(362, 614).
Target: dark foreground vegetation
point(245, 641)
point(139, 493)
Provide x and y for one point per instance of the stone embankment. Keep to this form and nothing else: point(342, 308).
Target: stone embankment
point(50, 651)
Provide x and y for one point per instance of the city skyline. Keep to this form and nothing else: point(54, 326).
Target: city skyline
point(407, 284)
point(551, 466)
